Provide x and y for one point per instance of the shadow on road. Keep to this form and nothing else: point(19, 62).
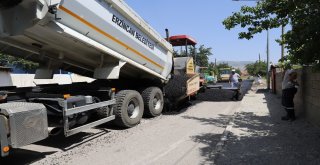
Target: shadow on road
point(209, 140)
point(265, 139)
point(21, 156)
point(220, 121)
point(261, 138)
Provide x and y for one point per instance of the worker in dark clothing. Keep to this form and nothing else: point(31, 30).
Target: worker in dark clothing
point(289, 89)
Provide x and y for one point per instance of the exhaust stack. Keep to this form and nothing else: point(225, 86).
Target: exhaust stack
point(167, 34)
point(54, 131)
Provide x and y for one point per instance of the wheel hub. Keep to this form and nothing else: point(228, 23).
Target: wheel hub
point(133, 108)
point(157, 102)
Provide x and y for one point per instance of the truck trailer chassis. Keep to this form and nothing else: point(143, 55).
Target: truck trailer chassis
point(28, 116)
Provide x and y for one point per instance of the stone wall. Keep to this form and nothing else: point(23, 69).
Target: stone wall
point(307, 100)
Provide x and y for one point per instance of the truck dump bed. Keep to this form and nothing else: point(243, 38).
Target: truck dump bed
point(100, 39)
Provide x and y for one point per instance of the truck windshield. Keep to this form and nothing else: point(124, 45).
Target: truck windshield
point(225, 72)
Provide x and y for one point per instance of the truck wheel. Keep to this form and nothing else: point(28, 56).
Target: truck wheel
point(128, 109)
point(103, 111)
point(153, 101)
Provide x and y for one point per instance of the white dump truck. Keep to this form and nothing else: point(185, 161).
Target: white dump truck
point(102, 39)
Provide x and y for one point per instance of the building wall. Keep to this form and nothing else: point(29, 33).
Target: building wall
point(307, 100)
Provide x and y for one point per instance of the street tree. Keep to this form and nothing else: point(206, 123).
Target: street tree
point(212, 69)
point(223, 65)
point(303, 38)
point(202, 58)
point(259, 67)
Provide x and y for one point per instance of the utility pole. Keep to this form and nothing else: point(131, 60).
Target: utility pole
point(268, 76)
point(282, 40)
point(259, 59)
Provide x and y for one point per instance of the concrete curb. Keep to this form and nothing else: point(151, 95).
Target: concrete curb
point(225, 134)
point(223, 140)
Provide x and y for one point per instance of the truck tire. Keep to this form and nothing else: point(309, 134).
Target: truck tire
point(153, 101)
point(128, 109)
point(102, 112)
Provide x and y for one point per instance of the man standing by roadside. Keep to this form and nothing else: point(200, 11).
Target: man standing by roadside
point(289, 89)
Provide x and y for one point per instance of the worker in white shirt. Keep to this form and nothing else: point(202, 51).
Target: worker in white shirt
point(234, 78)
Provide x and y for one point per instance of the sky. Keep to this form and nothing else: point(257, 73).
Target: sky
point(202, 20)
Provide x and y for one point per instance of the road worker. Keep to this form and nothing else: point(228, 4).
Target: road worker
point(289, 89)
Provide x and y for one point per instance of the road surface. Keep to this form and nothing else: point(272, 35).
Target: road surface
point(185, 137)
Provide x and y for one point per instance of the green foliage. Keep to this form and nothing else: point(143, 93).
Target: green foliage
point(238, 71)
point(223, 65)
point(181, 53)
point(175, 53)
point(212, 69)
point(257, 68)
point(4, 60)
point(7, 60)
point(302, 41)
point(202, 58)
